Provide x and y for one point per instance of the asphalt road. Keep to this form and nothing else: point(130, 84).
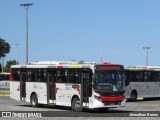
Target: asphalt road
point(145, 110)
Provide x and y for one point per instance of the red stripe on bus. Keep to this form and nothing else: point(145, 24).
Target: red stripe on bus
point(18, 89)
point(78, 89)
point(57, 90)
point(59, 66)
point(11, 74)
point(111, 98)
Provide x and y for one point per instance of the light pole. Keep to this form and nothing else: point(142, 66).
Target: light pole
point(2, 61)
point(26, 6)
point(17, 53)
point(100, 56)
point(147, 48)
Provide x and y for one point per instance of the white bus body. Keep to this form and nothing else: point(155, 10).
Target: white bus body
point(142, 82)
point(77, 91)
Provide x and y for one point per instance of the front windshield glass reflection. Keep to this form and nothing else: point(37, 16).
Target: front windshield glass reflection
point(109, 81)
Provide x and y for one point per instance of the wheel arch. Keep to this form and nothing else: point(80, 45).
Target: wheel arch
point(74, 96)
point(133, 95)
point(134, 91)
point(33, 93)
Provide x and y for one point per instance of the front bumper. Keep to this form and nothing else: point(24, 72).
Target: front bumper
point(98, 104)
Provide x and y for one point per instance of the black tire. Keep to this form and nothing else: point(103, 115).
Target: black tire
point(133, 96)
point(34, 100)
point(76, 105)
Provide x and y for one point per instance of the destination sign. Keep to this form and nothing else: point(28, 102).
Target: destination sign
point(110, 67)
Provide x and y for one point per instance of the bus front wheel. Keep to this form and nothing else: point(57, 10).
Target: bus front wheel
point(134, 96)
point(76, 105)
point(34, 100)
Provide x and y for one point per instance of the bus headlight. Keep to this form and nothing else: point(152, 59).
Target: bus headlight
point(97, 98)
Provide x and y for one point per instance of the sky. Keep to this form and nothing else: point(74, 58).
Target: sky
point(78, 29)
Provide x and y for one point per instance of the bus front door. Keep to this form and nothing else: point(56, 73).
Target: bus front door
point(23, 78)
point(86, 88)
point(51, 88)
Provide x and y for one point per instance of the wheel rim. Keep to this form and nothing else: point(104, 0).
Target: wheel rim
point(33, 101)
point(78, 105)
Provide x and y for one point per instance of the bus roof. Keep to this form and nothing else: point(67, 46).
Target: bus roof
point(56, 64)
point(61, 64)
point(142, 68)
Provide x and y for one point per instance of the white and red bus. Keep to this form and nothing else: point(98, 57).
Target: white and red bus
point(142, 82)
point(63, 83)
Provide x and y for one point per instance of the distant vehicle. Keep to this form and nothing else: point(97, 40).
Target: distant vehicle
point(142, 82)
point(66, 83)
point(4, 80)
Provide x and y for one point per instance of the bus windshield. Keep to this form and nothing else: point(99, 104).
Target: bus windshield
point(109, 81)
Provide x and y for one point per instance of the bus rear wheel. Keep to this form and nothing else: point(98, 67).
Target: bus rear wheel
point(76, 105)
point(34, 100)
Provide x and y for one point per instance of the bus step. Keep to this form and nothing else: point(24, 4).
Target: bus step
point(52, 101)
point(52, 104)
point(23, 99)
point(85, 104)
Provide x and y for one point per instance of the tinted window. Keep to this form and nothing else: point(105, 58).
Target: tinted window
point(31, 75)
point(158, 76)
point(16, 74)
point(41, 75)
point(74, 76)
point(62, 76)
point(127, 80)
point(134, 76)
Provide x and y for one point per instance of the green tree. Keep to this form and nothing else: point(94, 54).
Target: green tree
point(4, 48)
point(8, 65)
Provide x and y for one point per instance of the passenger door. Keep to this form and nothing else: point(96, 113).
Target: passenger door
point(23, 78)
point(86, 85)
point(51, 84)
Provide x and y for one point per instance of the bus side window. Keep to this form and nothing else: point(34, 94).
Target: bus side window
point(152, 76)
point(41, 75)
point(31, 75)
point(134, 76)
point(58, 80)
point(1, 77)
point(74, 76)
point(77, 76)
point(158, 76)
point(145, 76)
point(15, 75)
point(140, 76)
point(62, 76)
point(127, 74)
point(137, 76)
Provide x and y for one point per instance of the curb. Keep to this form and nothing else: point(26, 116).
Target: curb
point(4, 95)
point(139, 98)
